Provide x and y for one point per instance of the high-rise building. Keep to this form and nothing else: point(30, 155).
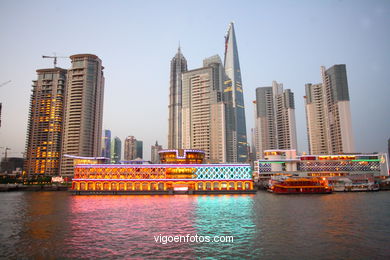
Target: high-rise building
point(178, 66)
point(155, 158)
point(328, 114)
point(203, 124)
point(116, 150)
point(106, 149)
point(130, 148)
point(274, 119)
point(317, 135)
point(45, 123)
point(388, 148)
point(83, 110)
point(139, 149)
point(236, 138)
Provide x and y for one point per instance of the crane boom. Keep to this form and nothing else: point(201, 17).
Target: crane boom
point(54, 57)
point(5, 83)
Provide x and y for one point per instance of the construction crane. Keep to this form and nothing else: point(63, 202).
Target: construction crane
point(6, 149)
point(55, 57)
point(5, 83)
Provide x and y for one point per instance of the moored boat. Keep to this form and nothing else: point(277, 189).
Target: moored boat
point(299, 186)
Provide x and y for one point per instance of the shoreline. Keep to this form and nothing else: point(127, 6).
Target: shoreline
point(33, 187)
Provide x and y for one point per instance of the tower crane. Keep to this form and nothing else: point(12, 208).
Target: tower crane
point(54, 57)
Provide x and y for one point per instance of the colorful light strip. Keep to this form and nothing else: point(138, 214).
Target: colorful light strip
point(271, 162)
point(159, 165)
point(366, 160)
point(157, 180)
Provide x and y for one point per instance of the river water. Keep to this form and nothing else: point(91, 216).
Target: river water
point(262, 226)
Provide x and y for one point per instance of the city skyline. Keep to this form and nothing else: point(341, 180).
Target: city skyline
point(361, 32)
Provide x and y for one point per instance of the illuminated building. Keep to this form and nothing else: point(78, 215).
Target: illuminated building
point(154, 153)
point(181, 156)
point(236, 139)
point(82, 132)
point(45, 124)
point(274, 119)
point(279, 162)
point(203, 110)
point(328, 113)
point(178, 66)
point(185, 173)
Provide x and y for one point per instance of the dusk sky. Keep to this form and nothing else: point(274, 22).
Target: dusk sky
point(286, 41)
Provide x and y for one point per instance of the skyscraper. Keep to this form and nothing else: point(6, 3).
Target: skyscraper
point(45, 123)
point(236, 138)
point(317, 134)
point(106, 149)
point(203, 125)
point(155, 158)
point(139, 149)
point(130, 148)
point(274, 119)
point(116, 150)
point(328, 113)
point(178, 66)
point(83, 110)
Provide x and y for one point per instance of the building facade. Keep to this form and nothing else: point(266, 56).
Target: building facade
point(83, 110)
point(178, 66)
point(154, 157)
point(275, 126)
point(116, 150)
point(139, 149)
point(328, 113)
point(203, 125)
point(130, 149)
point(106, 149)
point(317, 134)
point(236, 137)
point(45, 123)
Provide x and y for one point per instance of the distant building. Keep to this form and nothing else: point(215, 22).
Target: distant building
point(236, 138)
point(203, 110)
point(388, 148)
point(139, 149)
point(130, 148)
point(328, 114)
point(45, 123)
point(116, 150)
point(12, 164)
point(178, 66)
point(83, 110)
point(274, 119)
point(155, 158)
point(106, 149)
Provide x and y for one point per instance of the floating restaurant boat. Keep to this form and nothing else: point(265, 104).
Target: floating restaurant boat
point(181, 172)
point(299, 186)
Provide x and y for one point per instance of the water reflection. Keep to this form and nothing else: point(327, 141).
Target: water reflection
point(266, 226)
point(37, 223)
point(125, 226)
point(226, 215)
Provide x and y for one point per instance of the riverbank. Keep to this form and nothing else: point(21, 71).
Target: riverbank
point(33, 187)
